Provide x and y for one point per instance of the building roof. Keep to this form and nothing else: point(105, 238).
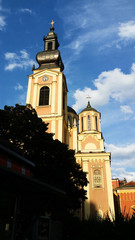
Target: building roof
point(128, 185)
point(69, 109)
point(89, 108)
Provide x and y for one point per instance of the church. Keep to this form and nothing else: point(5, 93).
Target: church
point(47, 93)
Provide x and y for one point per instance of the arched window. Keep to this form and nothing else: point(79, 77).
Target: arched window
point(89, 123)
point(69, 122)
point(96, 124)
point(74, 122)
point(63, 100)
point(97, 178)
point(82, 123)
point(44, 96)
point(50, 46)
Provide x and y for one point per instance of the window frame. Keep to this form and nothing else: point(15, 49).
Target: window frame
point(43, 99)
point(69, 121)
point(50, 45)
point(96, 123)
point(89, 122)
point(82, 124)
point(97, 177)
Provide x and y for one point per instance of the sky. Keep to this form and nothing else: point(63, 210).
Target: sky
point(97, 45)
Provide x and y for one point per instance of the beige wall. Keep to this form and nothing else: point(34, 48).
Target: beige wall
point(99, 199)
point(89, 142)
point(52, 113)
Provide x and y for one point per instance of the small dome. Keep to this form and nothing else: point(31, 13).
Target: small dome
point(49, 59)
point(69, 109)
point(89, 108)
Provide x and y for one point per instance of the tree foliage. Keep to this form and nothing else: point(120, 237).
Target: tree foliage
point(55, 163)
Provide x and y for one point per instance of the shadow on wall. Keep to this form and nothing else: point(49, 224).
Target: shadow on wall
point(92, 211)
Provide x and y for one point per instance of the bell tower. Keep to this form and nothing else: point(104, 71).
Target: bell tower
point(95, 162)
point(47, 88)
point(90, 136)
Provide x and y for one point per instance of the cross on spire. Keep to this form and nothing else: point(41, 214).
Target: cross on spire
point(88, 98)
point(88, 101)
point(52, 22)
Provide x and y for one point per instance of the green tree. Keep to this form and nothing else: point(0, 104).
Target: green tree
point(55, 163)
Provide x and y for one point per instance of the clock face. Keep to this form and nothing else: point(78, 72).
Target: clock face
point(45, 78)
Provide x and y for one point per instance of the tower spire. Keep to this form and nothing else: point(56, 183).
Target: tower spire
point(88, 102)
point(50, 57)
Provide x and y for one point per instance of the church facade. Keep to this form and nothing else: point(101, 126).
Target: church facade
point(47, 93)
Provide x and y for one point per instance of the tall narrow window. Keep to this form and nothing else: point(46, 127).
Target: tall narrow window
point(89, 123)
point(44, 96)
point(82, 123)
point(50, 46)
point(97, 178)
point(74, 122)
point(69, 121)
point(63, 100)
point(96, 124)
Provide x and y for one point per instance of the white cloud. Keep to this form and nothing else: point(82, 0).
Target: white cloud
point(18, 87)
point(123, 160)
point(2, 16)
point(15, 60)
point(22, 98)
point(85, 23)
point(124, 151)
point(3, 9)
point(20, 94)
point(24, 54)
point(109, 85)
point(10, 56)
point(97, 35)
point(122, 173)
point(12, 66)
point(108, 37)
point(126, 109)
point(76, 17)
point(26, 10)
point(127, 30)
point(2, 22)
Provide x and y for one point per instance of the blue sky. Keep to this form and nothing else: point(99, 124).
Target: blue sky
point(97, 44)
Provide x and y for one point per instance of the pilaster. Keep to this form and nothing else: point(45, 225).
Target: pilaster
point(29, 90)
point(53, 95)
